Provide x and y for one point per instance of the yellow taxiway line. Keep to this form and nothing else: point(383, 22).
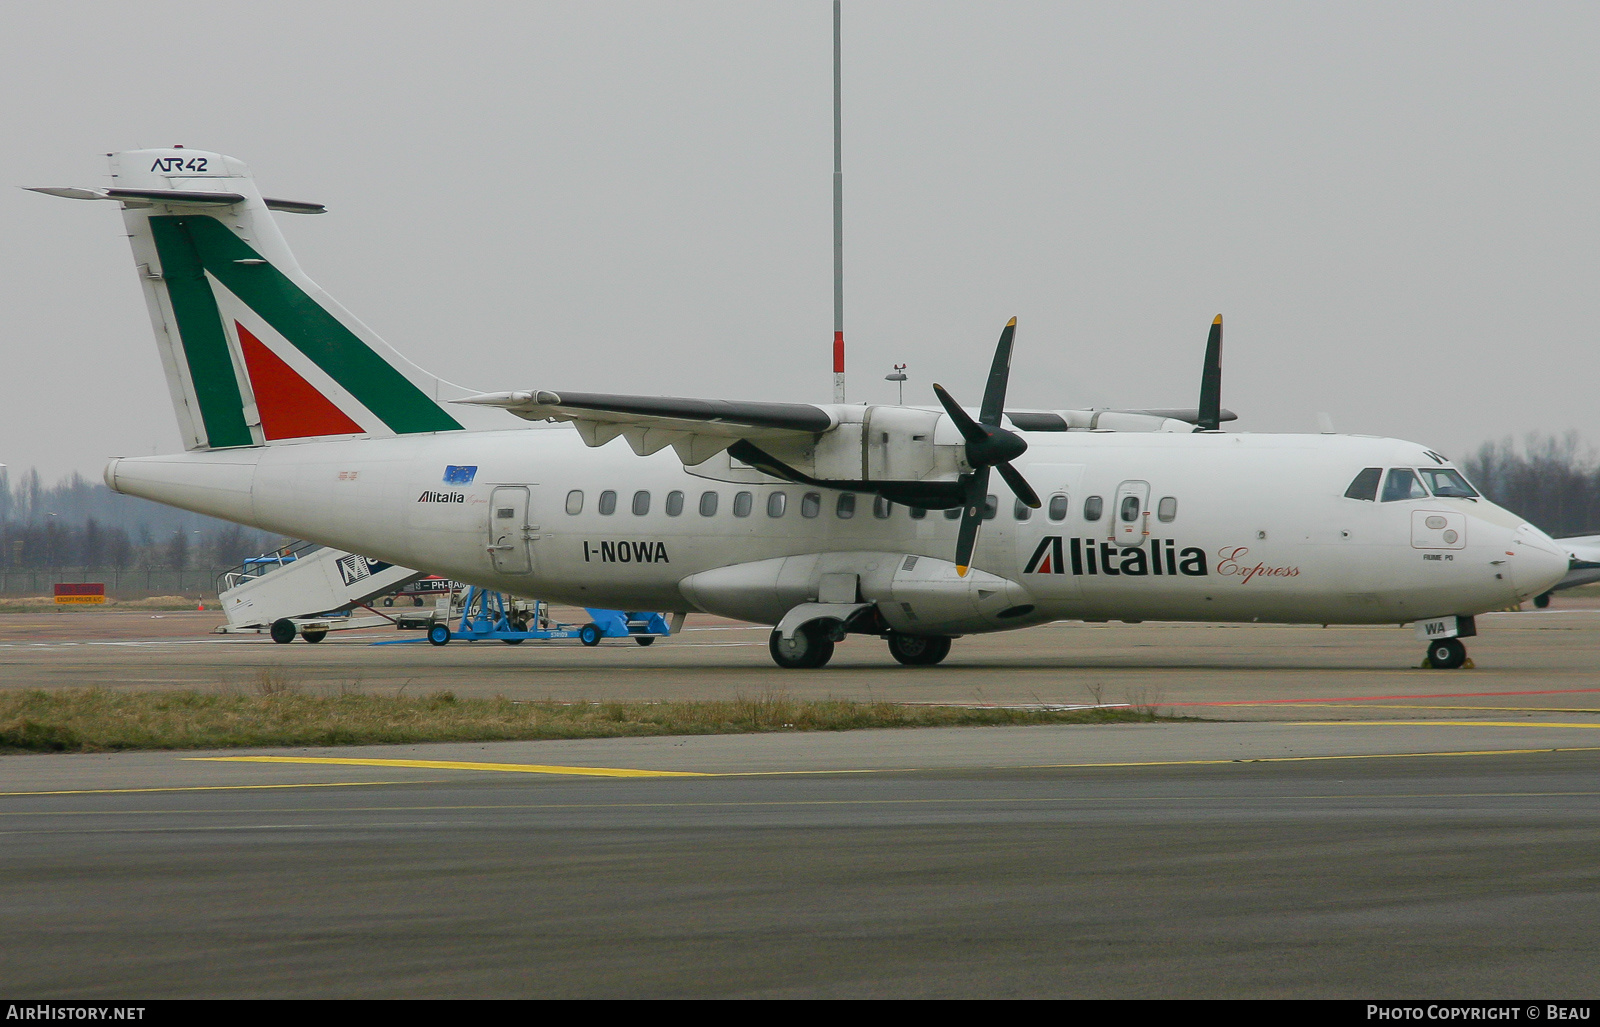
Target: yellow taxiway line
point(527, 768)
point(510, 768)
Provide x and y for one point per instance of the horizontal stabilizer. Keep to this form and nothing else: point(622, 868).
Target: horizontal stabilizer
point(175, 197)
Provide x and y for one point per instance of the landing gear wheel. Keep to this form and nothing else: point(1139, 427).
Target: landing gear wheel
point(313, 636)
point(645, 639)
point(1542, 600)
point(1447, 654)
point(589, 634)
point(283, 631)
point(918, 650)
point(439, 634)
point(808, 649)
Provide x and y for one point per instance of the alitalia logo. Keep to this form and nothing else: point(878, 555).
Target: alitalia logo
point(442, 497)
point(1056, 555)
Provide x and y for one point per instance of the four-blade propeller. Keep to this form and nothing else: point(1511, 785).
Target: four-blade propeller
point(988, 445)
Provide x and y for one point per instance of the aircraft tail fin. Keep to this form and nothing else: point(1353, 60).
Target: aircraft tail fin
point(254, 351)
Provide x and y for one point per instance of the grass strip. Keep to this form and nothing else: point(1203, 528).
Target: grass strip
point(100, 720)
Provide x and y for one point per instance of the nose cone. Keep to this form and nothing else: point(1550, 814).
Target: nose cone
point(1539, 563)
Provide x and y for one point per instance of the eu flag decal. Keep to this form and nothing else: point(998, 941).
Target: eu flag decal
point(458, 474)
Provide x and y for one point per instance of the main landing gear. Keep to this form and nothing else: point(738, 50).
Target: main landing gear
point(1542, 600)
point(812, 647)
point(918, 650)
point(1446, 654)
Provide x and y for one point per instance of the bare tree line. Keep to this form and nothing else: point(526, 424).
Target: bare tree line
point(1552, 481)
point(82, 524)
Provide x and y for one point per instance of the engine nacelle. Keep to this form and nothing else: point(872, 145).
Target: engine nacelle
point(917, 595)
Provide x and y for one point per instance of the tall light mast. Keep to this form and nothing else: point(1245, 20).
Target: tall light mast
point(838, 225)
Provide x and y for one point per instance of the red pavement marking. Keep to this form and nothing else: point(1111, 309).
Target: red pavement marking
point(1372, 698)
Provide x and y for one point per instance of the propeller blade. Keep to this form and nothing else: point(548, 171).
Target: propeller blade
point(1019, 485)
point(971, 518)
point(1211, 381)
point(994, 393)
point(970, 429)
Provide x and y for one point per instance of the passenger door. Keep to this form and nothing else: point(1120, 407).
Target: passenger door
point(1130, 515)
point(511, 534)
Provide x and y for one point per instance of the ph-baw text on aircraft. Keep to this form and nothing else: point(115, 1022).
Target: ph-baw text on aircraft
point(824, 520)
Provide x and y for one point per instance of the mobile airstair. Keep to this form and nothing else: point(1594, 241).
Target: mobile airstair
point(307, 590)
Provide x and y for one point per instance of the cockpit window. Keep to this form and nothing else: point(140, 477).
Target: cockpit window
point(1402, 483)
point(1365, 485)
point(1447, 482)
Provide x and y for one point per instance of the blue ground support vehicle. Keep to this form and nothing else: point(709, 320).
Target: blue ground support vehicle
point(489, 615)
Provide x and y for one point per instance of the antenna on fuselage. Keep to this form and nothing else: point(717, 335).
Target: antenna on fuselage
point(838, 225)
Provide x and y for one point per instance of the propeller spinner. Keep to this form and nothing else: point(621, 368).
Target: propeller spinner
point(988, 445)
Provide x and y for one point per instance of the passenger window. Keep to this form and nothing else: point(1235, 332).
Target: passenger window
point(1447, 482)
point(917, 513)
point(1021, 511)
point(575, 501)
point(1167, 509)
point(810, 504)
point(1365, 485)
point(708, 504)
point(991, 507)
point(881, 508)
point(1092, 508)
point(953, 514)
point(1402, 483)
point(641, 503)
point(846, 507)
point(674, 504)
point(742, 502)
point(777, 503)
point(1130, 508)
point(608, 503)
point(1058, 507)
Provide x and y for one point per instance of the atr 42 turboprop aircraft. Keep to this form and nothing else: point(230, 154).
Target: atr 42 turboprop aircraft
point(823, 520)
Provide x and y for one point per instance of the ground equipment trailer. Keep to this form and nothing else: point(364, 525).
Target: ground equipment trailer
point(485, 615)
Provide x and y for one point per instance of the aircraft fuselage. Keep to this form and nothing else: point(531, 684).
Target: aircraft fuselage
point(1228, 527)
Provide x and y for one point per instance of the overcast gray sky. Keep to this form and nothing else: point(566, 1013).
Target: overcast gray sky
point(1392, 204)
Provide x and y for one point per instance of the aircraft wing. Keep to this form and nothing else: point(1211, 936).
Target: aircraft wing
point(697, 429)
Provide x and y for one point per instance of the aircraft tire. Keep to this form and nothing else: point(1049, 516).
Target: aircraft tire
point(283, 631)
point(1447, 654)
point(313, 636)
point(590, 634)
point(439, 634)
point(1542, 600)
point(809, 649)
point(645, 639)
point(918, 650)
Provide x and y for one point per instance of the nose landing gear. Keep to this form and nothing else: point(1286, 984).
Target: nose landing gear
point(1446, 654)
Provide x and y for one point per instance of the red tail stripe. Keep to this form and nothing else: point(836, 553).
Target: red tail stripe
point(290, 406)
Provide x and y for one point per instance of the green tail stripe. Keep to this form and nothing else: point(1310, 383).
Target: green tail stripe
point(205, 346)
point(372, 380)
